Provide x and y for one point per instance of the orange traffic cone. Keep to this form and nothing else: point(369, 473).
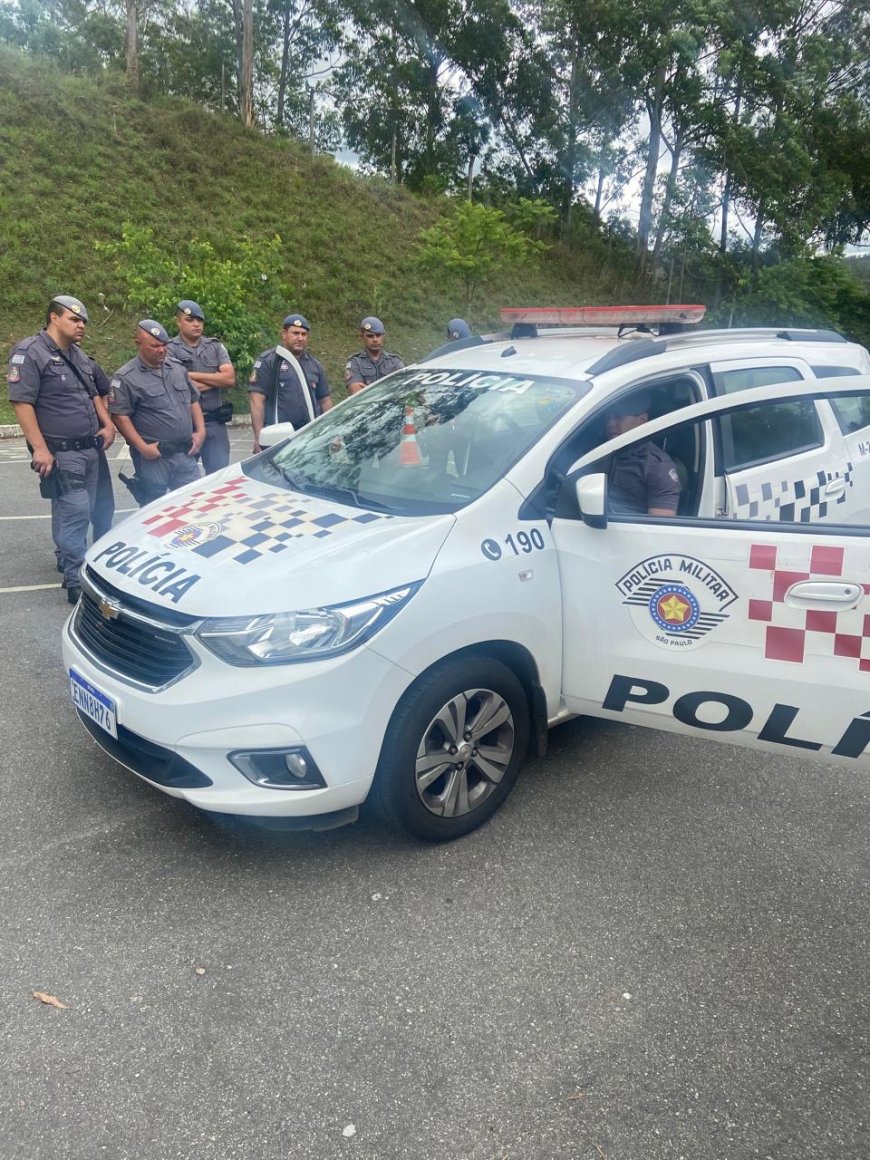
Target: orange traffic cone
point(409, 452)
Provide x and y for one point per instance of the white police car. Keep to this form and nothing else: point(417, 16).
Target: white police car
point(399, 601)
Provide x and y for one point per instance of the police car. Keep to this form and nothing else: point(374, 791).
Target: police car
point(399, 601)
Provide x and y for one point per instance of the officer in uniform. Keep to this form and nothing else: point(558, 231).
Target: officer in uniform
point(156, 408)
point(457, 329)
point(372, 362)
point(53, 390)
point(276, 394)
point(104, 505)
point(642, 479)
point(211, 371)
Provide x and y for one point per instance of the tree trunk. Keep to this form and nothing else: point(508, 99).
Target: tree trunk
point(599, 189)
point(670, 190)
point(246, 70)
point(131, 45)
point(644, 226)
point(570, 155)
point(471, 161)
point(756, 238)
point(285, 62)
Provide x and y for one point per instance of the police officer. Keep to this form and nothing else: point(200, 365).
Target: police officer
point(156, 408)
point(372, 362)
point(276, 394)
point(642, 479)
point(458, 328)
point(58, 407)
point(103, 511)
point(211, 371)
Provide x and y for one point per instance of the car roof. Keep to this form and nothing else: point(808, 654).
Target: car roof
point(585, 353)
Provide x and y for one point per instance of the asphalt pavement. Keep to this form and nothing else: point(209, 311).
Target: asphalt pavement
point(656, 951)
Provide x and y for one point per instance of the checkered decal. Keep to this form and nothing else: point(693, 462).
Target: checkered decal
point(798, 634)
point(794, 501)
point(245, 522)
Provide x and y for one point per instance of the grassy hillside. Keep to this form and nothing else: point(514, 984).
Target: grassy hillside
point(79, 159)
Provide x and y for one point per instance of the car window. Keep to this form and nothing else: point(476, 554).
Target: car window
point(759, 434)
point(420, 442)
point(744, 378)
point(852, 412)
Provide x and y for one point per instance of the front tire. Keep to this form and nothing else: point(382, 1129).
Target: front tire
point(453, 749)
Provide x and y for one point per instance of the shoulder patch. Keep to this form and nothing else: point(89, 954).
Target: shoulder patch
point(13, 374)
point(18, 359)
point(348, 373)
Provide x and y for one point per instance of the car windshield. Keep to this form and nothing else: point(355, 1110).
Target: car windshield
point(422, 441)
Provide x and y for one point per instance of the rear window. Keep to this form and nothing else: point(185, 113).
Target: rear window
point(769, 431)
point(852, 412)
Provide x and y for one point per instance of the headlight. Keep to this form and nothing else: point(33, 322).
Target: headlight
point(282, 638)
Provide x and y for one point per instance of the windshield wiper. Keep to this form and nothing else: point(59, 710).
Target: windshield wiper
point(345, 495)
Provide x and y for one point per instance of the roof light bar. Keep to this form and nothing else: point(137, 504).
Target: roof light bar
point(602, 315)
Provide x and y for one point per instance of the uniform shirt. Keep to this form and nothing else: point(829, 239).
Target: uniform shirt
point(208, 355)
point(362, 368)
point(37, 374)
point(291, 407)
point(643, 477)
point(157, 399)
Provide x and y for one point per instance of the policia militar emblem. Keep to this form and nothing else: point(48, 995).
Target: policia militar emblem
point(675, 600)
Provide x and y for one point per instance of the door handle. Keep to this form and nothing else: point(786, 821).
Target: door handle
point(832, 595)
point(836, 486)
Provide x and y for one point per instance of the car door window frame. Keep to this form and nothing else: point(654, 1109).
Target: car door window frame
point(712, 409)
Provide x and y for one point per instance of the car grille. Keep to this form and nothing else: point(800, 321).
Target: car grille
point(138, 643)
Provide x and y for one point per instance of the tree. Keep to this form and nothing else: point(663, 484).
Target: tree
point(478, 242)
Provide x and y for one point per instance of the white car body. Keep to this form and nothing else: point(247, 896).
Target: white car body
point(531, 575)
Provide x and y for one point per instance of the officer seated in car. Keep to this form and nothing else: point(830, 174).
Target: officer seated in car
point(642, 479)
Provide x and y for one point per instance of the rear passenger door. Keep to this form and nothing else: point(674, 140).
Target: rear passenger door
point(786, 463)
point(852, 416)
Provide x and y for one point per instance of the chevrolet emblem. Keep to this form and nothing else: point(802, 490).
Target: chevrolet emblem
point(109, 609)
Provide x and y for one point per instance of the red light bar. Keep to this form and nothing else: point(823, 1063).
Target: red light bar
point(602, 315)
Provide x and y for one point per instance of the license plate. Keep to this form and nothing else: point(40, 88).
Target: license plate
point(93, 703)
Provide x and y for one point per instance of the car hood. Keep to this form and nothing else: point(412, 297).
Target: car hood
point(234, 546)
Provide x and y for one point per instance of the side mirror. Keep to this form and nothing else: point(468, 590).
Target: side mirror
point(592, 499)
point(276, 433)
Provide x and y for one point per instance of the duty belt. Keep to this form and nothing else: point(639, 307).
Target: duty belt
point(168, 447)
point(86, 444)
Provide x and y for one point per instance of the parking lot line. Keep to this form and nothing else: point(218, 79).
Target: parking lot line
point(30, 588)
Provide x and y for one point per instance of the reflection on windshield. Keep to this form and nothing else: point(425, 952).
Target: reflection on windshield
point(422, 441)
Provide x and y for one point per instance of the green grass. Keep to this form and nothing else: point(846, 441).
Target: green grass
point(80, 158)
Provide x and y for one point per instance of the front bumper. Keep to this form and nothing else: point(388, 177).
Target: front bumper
point(178, 738)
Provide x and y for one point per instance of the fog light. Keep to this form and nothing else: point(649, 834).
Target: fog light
point(297, 765)
point(279, 768)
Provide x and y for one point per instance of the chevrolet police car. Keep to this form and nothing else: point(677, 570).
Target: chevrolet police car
point(399, 601)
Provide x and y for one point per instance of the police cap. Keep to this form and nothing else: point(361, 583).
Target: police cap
point(70, 303)
point(296, 320)
point(152, 327)
point(458, 328)
point(635, 404)
point(371, 325)
point(190, 309)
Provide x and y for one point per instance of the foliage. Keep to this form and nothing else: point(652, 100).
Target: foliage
point(239, 288)
point(478, 242)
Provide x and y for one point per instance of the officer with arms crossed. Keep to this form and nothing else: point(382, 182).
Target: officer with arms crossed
point(156, 408)
point(276, 394)
point(53, 390)
point(211, 371)
point(372, 362)
point(642, 479)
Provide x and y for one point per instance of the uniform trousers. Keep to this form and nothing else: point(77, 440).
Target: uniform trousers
point(215, 452)
point(72, 511)
point(164, 474)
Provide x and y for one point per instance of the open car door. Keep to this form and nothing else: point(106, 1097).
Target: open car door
point(754, 631)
